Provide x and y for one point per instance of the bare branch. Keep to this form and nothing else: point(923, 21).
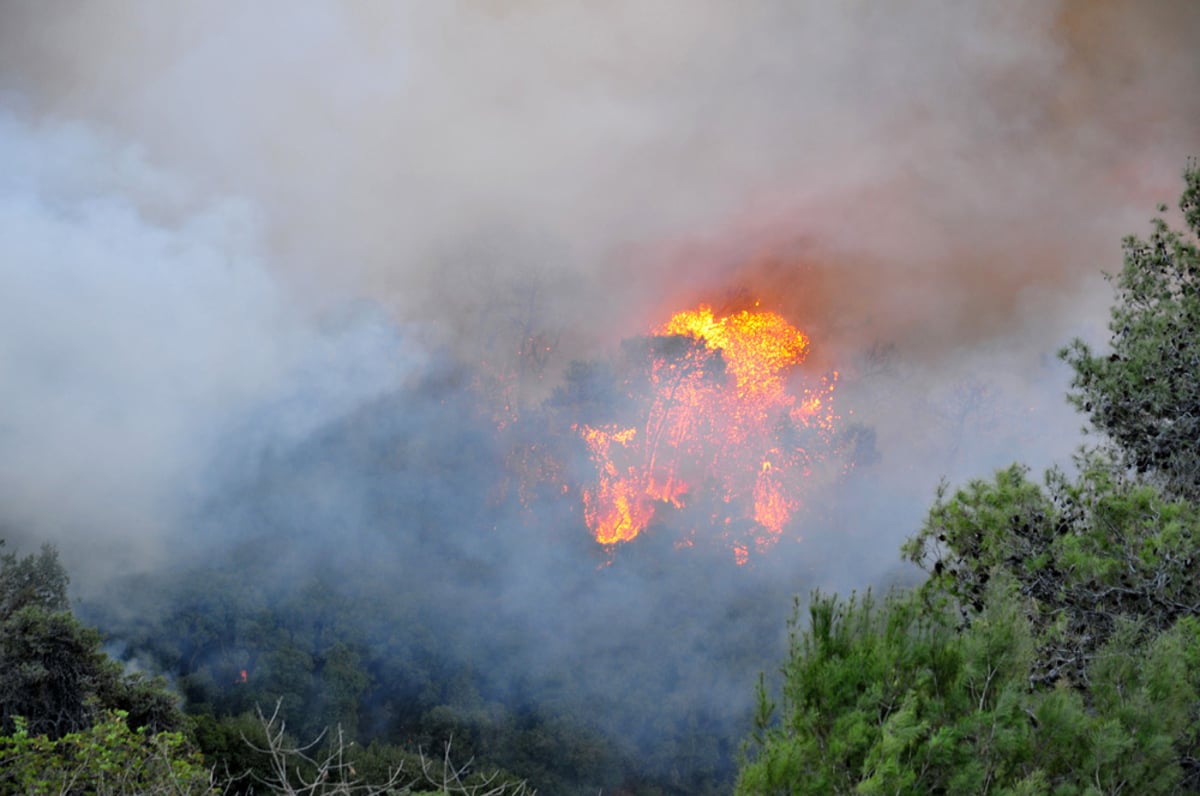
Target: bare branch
point(301, 770)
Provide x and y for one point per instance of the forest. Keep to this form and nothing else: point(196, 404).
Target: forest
point(1044, 640)
point(598, 399)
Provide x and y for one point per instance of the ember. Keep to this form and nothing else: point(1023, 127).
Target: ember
point(717, 417)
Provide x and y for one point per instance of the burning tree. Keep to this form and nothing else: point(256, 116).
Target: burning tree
point(703, 412)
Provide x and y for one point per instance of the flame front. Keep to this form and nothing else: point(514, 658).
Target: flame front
point(615, 509)
point(716, 417)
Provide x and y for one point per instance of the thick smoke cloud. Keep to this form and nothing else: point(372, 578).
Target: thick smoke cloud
point(139, 335)
point(236, 235)
point(956, 168)
point(945, 178)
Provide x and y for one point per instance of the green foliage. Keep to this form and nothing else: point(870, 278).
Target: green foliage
point(380, 665)
point(1144, 394)
point(229, 744)
point(1084, 553)
point(53, 672)
point(107, 759)
point(1054, 645)
point(285, 662)
point(36, 580)
point(889, 698)
point(1052, 648)
point(893, 698)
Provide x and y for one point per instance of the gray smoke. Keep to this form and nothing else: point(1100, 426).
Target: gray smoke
point(139, 332)
point(227, 224)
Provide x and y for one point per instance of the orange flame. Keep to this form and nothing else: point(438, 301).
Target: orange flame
point(615, 509)
point(716, 416)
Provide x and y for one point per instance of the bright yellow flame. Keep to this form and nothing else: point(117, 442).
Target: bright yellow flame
point(701, 432)
point(758, 346)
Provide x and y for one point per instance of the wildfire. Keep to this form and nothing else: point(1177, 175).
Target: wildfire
point(717, 422)
point(615, 509)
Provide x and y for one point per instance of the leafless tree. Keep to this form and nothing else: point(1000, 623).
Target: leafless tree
point(449, 778)
point(317, 769)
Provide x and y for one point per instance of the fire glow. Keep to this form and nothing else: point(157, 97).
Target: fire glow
point(720, 424)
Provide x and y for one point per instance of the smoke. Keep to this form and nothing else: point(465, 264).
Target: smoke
point(139, 333)
point(230, 234)
point(936, 158)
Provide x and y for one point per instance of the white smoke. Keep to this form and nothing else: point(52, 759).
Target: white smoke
point(947, 177)
point(137, 330)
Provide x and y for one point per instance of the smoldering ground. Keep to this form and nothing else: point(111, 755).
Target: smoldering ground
point(243, 243)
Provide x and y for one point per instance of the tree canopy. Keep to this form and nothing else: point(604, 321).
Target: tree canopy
point(54, 674)
point(1143, 393)
point(1054, 645)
